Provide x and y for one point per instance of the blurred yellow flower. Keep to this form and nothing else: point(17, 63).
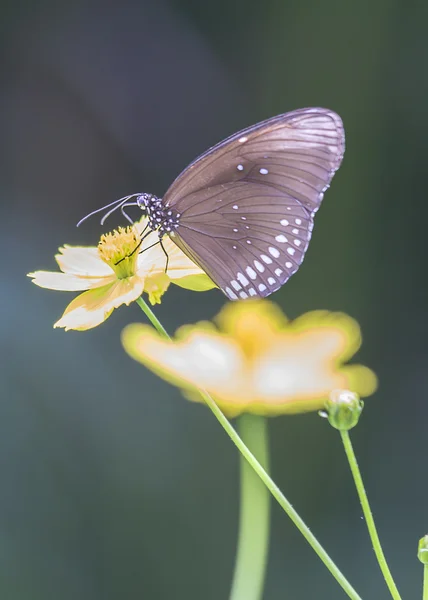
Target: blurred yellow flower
point(114, 273)
point(256, 360)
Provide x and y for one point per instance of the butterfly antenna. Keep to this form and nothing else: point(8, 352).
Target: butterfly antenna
point(116, 204)
point(125, 214)
point(111, 211)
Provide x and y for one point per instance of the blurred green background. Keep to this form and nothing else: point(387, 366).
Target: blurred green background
point(111, 484)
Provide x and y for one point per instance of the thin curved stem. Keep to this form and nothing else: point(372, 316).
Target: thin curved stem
point(254, 514)
point(152, 318)
point(269, 483)
point(368, 515)
point(425, 588)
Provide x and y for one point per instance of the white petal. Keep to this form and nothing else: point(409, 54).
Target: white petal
point(293, 372)
point(67, 282)
point(80, 260)
point(94, 306)
point(203, 360)
point(154, 260)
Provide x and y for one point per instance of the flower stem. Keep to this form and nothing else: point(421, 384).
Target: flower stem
point(152, 318)
point(368, 515)
point(425, 588)
point(257, 467)
point(253, 541)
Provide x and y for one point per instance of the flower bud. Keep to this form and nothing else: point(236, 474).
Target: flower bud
point(343, 409)
point(423, 550)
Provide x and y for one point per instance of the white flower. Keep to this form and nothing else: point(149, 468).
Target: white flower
point(117, 272)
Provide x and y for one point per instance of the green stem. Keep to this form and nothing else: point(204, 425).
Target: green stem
point(269, 483)
point(152, 318)
point(368, 515)
point(425, 589)
point(254, 513)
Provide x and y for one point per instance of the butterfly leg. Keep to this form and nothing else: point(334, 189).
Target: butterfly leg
point(166, 254)
point(151, 246)
point(143, 237)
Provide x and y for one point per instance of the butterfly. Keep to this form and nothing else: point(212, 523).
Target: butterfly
point(244, 210)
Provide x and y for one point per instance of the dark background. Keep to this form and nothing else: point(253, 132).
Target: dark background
point(111, 484)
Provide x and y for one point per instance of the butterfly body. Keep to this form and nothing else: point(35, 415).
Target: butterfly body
point(244, 210)
point(161, 219)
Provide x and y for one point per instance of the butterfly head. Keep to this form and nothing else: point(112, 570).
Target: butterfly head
point(161, 218)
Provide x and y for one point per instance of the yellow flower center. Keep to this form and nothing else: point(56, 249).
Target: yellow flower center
point(254, 324)
point(120, 251)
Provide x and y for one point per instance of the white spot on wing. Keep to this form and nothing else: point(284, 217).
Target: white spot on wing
point(297, 242)
point(298, 221)
point(295, 231)
point(259, 266)
point(240, 167)
point(263, 171)
point(281, 239)
point(262, 287)
point(235, 285)
point(284, 222)
point(242, 139)
point(266, 259)
point(271, 280)
point(252, 292)
point(291, 251)
point(251, 272)
point(242, 279)
point(274, 251)
point(243, 295)
point(235, 207)
point(278, 272)
point(231, 294)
